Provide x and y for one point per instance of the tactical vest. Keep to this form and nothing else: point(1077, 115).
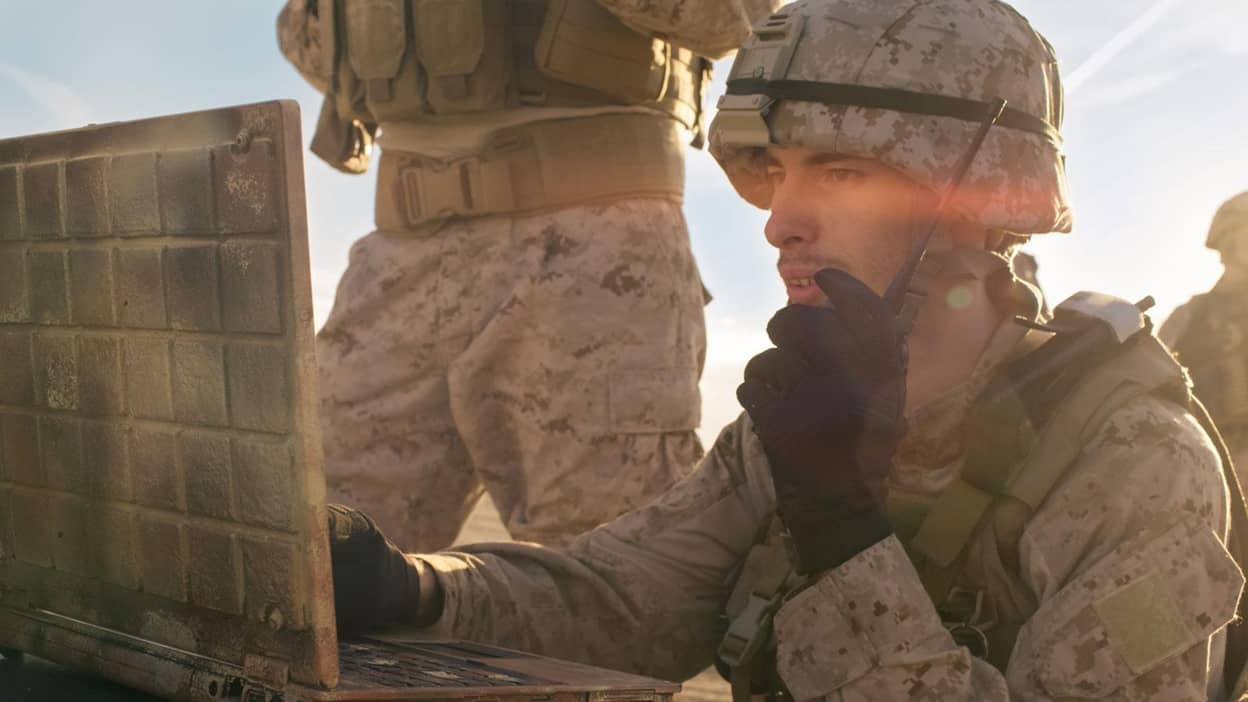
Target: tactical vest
point(1214, 348)
point(1023, 440)
point(409, 60)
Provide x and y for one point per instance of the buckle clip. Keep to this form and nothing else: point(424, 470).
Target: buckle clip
point(749, 630)
point(468, 186)
point(963, 616)
point(437, 189)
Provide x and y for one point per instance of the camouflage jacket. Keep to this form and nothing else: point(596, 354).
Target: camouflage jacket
point(1122, 570)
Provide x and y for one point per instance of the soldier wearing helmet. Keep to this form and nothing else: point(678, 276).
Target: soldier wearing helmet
point(526, 319)
point(932, 494)
point(1210, 332)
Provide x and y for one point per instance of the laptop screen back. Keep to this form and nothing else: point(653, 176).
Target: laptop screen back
point(159, 449)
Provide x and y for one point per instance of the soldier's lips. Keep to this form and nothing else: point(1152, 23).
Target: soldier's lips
point(802, 289)
point(798, 274)
point(799, 282)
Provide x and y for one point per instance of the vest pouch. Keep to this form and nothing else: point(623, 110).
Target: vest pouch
point(374, 40)
point(403, 97)
point(350, 98)
point(376, 37)
point(686, 80)
point(462, 47)
point(347, 90)
point(584, 44)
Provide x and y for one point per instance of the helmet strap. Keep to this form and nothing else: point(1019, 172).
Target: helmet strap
point(907, 291)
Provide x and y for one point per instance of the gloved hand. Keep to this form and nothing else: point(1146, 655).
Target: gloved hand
point(374, 585)
point(827, 405)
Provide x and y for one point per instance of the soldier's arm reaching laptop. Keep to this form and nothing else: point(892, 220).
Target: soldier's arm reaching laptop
point(644, 592)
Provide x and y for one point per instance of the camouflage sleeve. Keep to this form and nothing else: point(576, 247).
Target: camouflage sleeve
point(1125, 559)
point(867, 630)
point(713, 28)
point(642, 594)
point(299, 39)
point(1174, 326)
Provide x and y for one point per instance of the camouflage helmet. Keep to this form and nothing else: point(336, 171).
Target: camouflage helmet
point(1229, 223)
point(907, 84)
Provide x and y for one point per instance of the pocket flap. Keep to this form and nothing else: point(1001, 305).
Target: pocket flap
point(1134, 612)
point(376, 37)
point(450, 35)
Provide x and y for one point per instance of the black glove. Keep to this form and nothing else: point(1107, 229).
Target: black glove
point(374, 585)
point(827, 405)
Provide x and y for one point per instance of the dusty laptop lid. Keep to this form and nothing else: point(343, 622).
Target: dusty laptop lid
point(162, 512)
point(159, 449)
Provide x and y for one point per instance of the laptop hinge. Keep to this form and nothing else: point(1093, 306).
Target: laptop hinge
point(266, 671)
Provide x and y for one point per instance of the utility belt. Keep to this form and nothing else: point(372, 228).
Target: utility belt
point(404, 60)
point(534, 167)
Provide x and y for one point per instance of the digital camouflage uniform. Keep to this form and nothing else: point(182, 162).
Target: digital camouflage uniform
point(647, 591)
point(541, 339)
point(1209, 333)
point(1119, 581)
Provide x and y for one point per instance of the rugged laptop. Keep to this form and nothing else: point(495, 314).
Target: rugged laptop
point(162, 518)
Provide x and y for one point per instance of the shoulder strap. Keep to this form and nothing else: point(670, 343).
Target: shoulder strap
point(1020, 447)
point(996, 487)
point(747, 649)
point(1144, 367)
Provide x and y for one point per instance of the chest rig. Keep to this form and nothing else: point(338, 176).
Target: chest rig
point(1024, 431)
point(414, 60)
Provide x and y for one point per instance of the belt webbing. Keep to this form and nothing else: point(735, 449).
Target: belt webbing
point(532, 167)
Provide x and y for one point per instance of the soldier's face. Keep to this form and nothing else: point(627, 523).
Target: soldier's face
point(828, 211)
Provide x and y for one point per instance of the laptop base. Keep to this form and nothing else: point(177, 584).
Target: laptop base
point(372, 669)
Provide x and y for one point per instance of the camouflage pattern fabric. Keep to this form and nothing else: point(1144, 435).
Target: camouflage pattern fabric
point(302, 39)
point(969, 49)
point(1122, 572)
point(552, 360)
point(713, 28)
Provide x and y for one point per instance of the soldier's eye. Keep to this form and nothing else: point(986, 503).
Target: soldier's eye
point(846, 176)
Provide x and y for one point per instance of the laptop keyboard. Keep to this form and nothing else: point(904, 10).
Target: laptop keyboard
point(417, 664)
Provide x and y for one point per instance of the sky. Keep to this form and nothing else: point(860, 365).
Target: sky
point(1156, 138)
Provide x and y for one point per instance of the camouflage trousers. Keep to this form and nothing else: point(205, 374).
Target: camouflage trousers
point(551, 359)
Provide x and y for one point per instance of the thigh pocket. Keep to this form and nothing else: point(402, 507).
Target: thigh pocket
point(653, 401)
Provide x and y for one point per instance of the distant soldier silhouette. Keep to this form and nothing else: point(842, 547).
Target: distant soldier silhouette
point(1210, 332)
